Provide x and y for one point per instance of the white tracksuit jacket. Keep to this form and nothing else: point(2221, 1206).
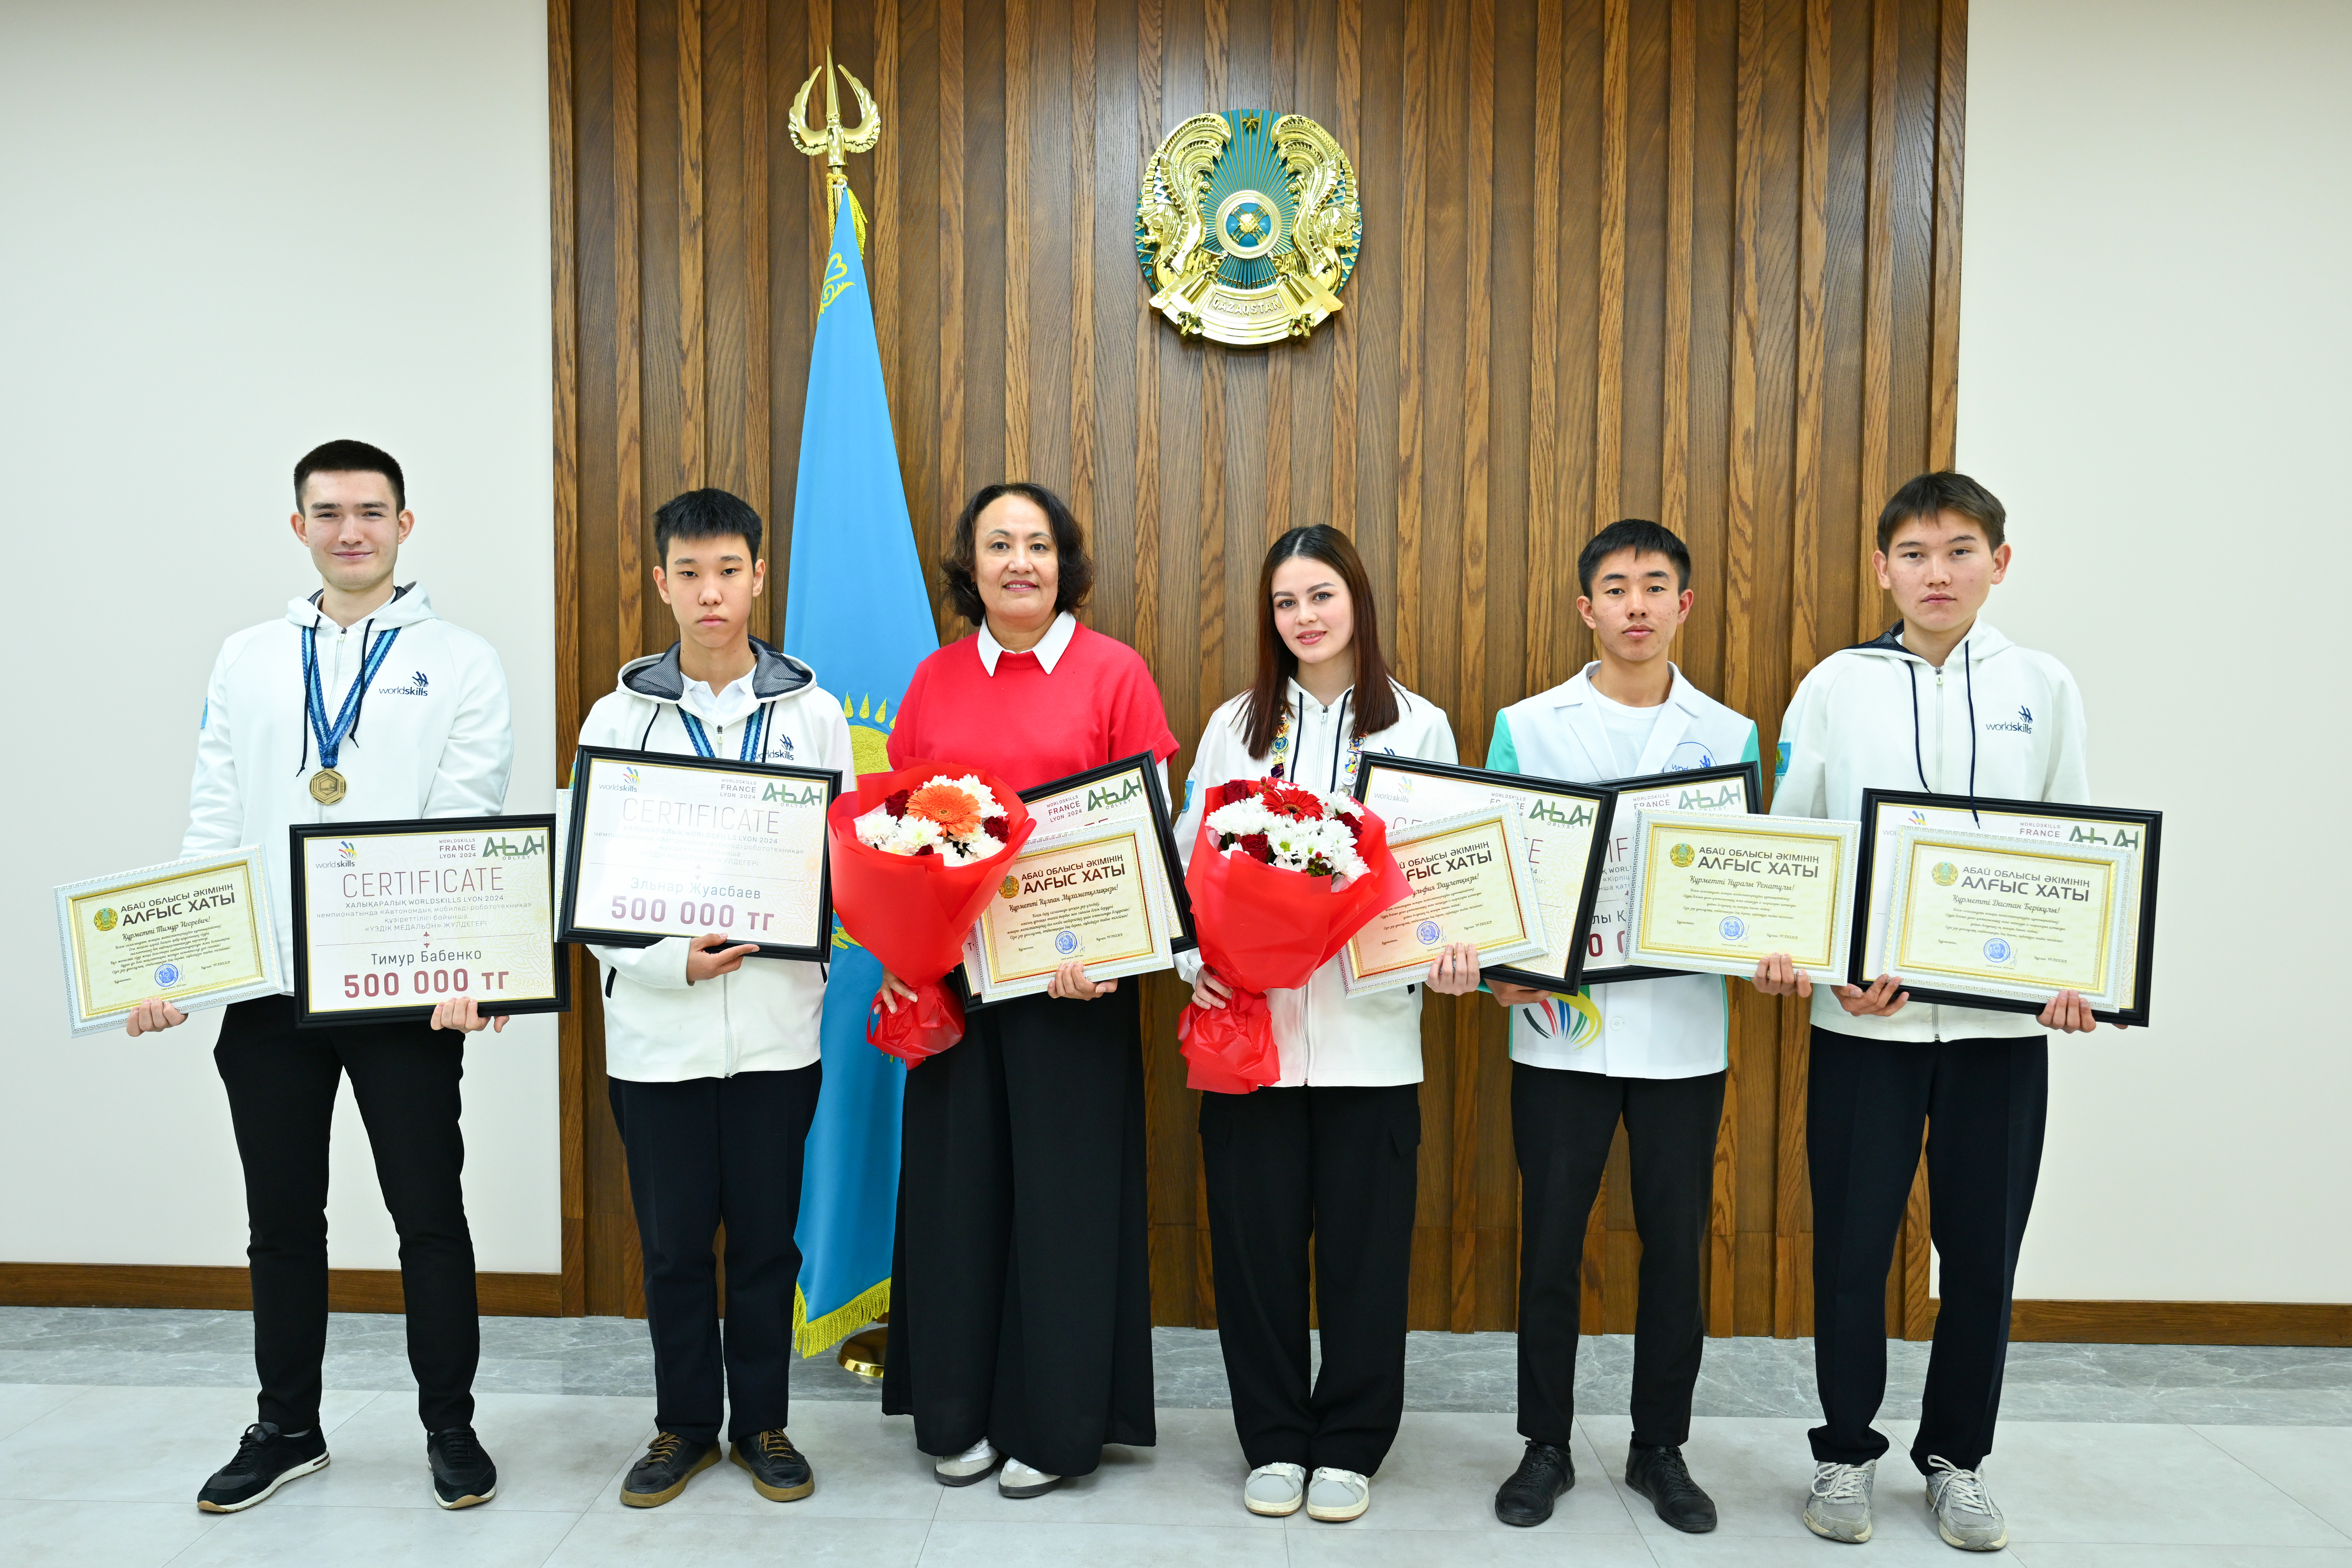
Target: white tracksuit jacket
point(433, 736)
point(1999, 722)
point(1326, 1037)
point(766, 1015)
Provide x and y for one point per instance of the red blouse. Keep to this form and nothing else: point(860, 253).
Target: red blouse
point(1028, 726)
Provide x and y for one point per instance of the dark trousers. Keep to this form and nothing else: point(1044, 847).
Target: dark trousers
point(1021, 1290)
point(281, 1084)
point(1982, 1103)
point(1337, 1164)
point(1561, 1125)
point(701, 1151)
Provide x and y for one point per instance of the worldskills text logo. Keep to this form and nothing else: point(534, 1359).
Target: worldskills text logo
point(346, 854)
point(1682, 855)
point(104, 920)
point(1946, 873)
point(2022, 724)
point(419, 681)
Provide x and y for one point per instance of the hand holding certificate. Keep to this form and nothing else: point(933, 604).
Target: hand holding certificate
point(195, 933)
point(1717, 894)
point(1469, 881)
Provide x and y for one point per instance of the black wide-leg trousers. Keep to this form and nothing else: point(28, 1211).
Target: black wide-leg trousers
point(281, 1084)
point(1337, 1166)
point(700, 1152)
point(1020, 1286)
point(1983, 1104)
point(1561, 1126)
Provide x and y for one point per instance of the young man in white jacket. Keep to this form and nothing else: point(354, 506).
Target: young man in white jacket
point(359, 704)
point(711, 1054)
point(1941, 702)
point(1652, 1053)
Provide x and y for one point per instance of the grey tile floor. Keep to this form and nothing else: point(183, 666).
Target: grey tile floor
point(2111, 1456)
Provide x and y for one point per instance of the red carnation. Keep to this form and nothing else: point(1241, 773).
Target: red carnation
point(895, 803)
point(1229, 791)
point(1258, 848)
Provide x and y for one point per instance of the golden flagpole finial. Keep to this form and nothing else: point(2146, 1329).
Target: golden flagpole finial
point(836, 140)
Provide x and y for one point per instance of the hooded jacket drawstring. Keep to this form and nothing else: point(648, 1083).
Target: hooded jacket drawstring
point(1919, 755)
point(1338, 740)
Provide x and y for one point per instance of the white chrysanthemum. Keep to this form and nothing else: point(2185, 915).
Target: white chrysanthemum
point(983, 796)
point(876, 827)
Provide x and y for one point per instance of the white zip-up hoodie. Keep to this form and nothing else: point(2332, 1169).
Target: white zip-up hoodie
point(1998, 721)
point(1326, 1037)
point(766, 1015)
point(432, 738)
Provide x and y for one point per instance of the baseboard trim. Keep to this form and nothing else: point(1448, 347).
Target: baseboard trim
point(2305, 1323)
point(231, 1289)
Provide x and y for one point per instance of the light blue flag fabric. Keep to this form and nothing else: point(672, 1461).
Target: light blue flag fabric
point(856, 612)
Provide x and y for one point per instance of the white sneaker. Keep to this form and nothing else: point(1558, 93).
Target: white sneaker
point(1965, 1517)
point(1336, 1496)
point(1025, 1481)
point(1275, 1490)
point(1838, 1508)
point(972, 1465)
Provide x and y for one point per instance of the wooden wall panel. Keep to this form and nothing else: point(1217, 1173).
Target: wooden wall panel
point(1689, 260)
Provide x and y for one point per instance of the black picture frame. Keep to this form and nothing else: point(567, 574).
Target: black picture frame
point(1751, 773)
point(569, 929)
point(1147, 766)
point(298, 834)
point(1601, 797)
point(2150, 823)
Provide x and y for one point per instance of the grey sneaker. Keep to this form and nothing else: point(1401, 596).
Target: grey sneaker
point(1965, 1516)
point(1275, 1490)
point(1838, 1508)
point(1335, 1495)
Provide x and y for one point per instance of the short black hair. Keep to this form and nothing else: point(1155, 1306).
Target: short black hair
point(1072, 582)
point(351, 458)
point(703, 515)
point(1640, 536)
point(1940, 491)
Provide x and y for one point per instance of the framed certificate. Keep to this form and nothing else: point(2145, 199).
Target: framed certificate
point(666, 845)
point(197, 932)
point(1566, 826)
point(1470, 881)
point(1717, 894)
point(391, 918)
point(2137, 836)
point(1123, 793)
point(1735, 790)
point(1089, 895)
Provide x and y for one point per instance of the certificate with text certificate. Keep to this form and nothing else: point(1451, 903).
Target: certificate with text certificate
point(1717, 894)
point(197, 932)
point(1609, 936)
point(1085, 896)
point(1994, 915)
point(1470, 881)
point(393, 917)
point(2042, 825)
point(1565, 826)
point(665, 846)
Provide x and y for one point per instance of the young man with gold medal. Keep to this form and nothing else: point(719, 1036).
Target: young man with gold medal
point(358, 705)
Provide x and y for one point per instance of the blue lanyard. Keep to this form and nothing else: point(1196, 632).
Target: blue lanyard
point(749, 751)
point(330, 740)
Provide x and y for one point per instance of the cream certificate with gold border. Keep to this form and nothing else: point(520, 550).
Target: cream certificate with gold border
point(1470, 881)
point(1087, 895)
point(1717, 894)
point(198, 932)
point(1991, 913)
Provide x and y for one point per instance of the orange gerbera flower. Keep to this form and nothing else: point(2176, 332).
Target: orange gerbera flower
point(953, 809)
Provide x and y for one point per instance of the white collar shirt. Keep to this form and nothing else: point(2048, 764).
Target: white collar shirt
point(723, 708)
point(1049, 649)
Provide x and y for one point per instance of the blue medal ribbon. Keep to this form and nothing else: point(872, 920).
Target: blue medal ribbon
point(748, 750)
point(330, 737)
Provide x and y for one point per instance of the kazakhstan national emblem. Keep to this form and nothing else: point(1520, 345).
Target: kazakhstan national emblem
point(1248, 226)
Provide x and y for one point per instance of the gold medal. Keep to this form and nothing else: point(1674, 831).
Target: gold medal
point(328, 786)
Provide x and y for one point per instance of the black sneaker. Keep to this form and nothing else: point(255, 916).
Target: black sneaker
point(266, 1458)
point(1543, 1474)
point(1660, 1475)
point(779, 1471)
point(462, 1474)
point(669, 1463)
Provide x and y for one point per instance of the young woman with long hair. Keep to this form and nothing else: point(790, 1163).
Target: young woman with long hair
point(1329, 1151)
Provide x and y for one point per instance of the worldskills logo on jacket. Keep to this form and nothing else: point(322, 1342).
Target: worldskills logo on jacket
point(2022, 724)
point(419, 681)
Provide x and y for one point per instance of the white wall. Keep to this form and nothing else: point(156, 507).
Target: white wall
point(2155, 328)
point(232, 231)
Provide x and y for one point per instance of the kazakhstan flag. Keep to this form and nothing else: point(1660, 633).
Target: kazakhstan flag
point(856, 612)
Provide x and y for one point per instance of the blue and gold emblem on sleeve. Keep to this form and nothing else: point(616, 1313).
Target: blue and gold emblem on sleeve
point(1247, 227)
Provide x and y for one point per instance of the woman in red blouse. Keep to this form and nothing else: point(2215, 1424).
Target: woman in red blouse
point(1021, 1309)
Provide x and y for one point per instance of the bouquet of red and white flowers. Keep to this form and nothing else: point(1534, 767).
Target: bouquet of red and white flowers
point(915, 856)
point(1280, 879)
